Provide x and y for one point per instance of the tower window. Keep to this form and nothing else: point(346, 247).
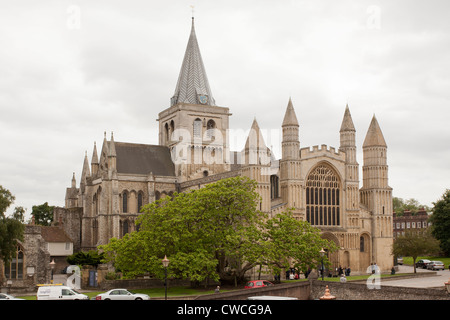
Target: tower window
point(322, 197)
point(197, 128)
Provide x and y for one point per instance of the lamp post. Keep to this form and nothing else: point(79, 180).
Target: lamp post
point(52, 266)
point(165, 263)
point(322, 254)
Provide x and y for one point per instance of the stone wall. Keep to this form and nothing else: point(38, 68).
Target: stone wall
point(360, 291)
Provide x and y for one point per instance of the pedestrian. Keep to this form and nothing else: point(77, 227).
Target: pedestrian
point(343, 278)
point(348, 271)
point(217, 290)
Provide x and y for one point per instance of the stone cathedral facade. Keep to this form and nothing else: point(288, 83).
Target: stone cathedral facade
point(321, 184)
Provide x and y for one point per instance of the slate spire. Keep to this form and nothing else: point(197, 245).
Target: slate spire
point(192, 86)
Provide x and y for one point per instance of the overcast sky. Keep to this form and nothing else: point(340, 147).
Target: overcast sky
point(70, 70)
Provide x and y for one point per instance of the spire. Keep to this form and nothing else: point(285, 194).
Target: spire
point(112, 146)
point(192, 86)
point(347, 122)
point(290, 119)
point(86, 172)
point(255, 139)
point(74, 181)
point(94, 155)
point(374, 136)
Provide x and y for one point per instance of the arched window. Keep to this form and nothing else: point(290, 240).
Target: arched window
point(125, 228)
point(157, 195)
point(14, 270)
point(361, 244)
point(140, 201)
point(197, 128)
point(210, 128)
point(323, 197)
point(167, 135)
point(274, 182)
point(124, 202)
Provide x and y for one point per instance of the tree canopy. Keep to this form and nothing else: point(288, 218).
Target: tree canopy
point(11, 228)
point(43, 214)
point(440, 221)
point(215, 232)
point(414, 244)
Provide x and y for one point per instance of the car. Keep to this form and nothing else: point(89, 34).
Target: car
point(400, 260)
point(435, 265)
point(58, 292)
point(121, 294)
point(4, 296)
point(258, 284)
point(422, 263)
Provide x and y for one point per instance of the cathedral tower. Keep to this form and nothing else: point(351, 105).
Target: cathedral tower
point(290, 159)
point(348, 145)
point(377, 195)
point(193, 127)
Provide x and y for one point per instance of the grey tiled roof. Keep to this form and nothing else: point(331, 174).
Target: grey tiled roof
point(135, 158)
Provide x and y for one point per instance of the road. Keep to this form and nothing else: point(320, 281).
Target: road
point(420, 282)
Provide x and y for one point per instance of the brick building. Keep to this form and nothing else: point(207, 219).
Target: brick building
point(410, 221)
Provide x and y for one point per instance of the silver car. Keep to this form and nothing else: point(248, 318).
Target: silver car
point(435, 265)
point(121, 294)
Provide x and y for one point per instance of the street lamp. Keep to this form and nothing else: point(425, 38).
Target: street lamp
point(52, 266)
point(322, 254)
point(165, 263)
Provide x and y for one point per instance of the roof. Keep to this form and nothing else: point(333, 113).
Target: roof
point(290, 119)
point(374, 136)
point(54, 234)
point(192, 81)
point(135, 158)
point(347, 122)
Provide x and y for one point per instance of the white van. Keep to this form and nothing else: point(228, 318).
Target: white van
point(59, 292)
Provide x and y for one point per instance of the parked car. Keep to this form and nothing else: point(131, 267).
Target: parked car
point(121, 294)
point(258, 284)
point(4, 296)
point(435, 265)
point(59, 292)
point(422, 263)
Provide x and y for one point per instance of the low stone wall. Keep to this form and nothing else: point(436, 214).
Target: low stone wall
point(299, 290)
point(360, 291)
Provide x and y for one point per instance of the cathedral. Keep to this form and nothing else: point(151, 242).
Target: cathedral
point(320, 183)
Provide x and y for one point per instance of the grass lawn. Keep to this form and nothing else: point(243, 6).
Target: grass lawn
point(409, 260)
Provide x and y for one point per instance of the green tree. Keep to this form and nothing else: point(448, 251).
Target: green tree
point(289, 242)
point(414, 244)
point(11, 228)
point(209, 233)
point(91, 258)
point(43, 214)
point(440, 221)
point(413, 205)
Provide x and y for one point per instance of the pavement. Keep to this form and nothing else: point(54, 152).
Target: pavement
point(436, 280)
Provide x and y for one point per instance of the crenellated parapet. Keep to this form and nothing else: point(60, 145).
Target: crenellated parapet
point(322, 151)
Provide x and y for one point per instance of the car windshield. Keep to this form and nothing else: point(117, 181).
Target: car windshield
point(438, 262)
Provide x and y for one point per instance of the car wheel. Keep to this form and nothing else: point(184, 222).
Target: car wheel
point(138, 299)
point(107, 299)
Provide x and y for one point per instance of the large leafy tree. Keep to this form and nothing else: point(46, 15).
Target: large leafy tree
point(11, 228)
point(209, 233)
point(43, 214)
point(440, 221)
point(414, 244)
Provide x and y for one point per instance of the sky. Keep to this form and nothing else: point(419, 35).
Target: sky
point(72, 70)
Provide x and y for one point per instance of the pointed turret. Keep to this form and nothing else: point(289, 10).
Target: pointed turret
point(347, 122)
point(290, 119)
point(256, 151)
point(94, 161)
point(112, 157)
point(374, 136)
point(290, 144)
point(192, 86)
point(74, 181)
